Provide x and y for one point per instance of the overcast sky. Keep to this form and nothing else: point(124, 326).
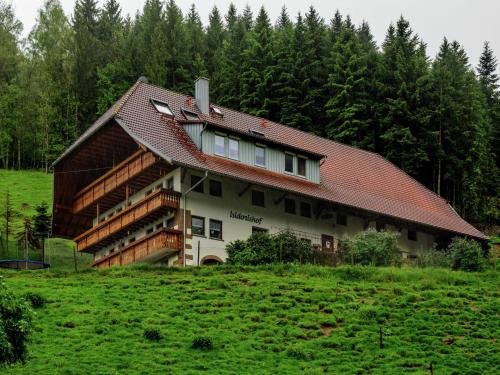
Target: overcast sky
point(471, 22)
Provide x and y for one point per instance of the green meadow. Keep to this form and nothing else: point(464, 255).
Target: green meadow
point(266, 320)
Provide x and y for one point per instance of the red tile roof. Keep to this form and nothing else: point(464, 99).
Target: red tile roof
point(349, 176)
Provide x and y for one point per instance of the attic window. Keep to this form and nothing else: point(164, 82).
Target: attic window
point(217, 111)
point(162, 107)
point(257, 133)
point(190, 115)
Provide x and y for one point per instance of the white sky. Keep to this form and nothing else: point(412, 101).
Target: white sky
point(471, 22)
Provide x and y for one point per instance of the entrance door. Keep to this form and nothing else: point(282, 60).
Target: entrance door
point(327, 242)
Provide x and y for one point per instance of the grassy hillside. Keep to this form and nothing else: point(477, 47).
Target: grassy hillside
point(27, 190)
point(274, 320)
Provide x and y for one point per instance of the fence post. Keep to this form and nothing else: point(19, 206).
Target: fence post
point(74, 258)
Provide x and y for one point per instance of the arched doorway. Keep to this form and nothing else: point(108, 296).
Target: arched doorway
point(211, 260)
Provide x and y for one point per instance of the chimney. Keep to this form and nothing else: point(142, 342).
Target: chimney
point(201, 95)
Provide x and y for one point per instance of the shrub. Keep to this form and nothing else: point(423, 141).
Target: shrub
point(433, 258)
point(262, 248)
point(290, 249)
point(203, 343)
point(36, 300)
point(15, 327)
point(258, 249)
point(373, 248)
point(152, 334)
point(466, 255)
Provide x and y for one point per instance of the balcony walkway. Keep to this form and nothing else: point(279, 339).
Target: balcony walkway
point(152, 247)
point(117, 177)
point(140, 214)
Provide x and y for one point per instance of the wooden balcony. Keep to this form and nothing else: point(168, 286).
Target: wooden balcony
point(152, 247)
point(140, 214)
point(117, 177)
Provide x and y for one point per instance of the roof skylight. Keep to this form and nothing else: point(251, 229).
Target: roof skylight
point(190, 115)
point(217, 111)
point(162, 107)
point(256, 132)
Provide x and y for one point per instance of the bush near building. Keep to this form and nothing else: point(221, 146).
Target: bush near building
point(262, 248)
point(466, 255)
point(372, 248)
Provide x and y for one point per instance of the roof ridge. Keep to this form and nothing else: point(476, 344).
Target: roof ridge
point(274, 122)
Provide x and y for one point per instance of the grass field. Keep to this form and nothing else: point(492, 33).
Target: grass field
point(274, 320)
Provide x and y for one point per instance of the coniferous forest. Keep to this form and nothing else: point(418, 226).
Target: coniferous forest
point(436, 117)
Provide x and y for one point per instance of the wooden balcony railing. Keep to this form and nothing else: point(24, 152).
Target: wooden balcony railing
point(151, 247)
point(113, 179)
point(149, 208)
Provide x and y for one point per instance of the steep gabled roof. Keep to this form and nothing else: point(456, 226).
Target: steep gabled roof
point(349, 176)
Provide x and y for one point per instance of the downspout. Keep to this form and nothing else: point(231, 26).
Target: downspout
point(184, 196)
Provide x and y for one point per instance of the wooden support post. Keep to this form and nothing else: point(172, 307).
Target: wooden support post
point(97, 210)
point(127, 193)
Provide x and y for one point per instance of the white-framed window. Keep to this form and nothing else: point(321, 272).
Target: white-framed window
point(301, 166)
point(197, 225)
point(289, 161)
point(215, 229)
point(220, 145)
point(234, 149)
point(260, 156)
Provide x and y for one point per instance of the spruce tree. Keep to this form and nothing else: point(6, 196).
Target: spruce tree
point(215, 37)
point(256, 78)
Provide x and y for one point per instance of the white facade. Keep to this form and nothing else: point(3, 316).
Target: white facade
point(238, 216)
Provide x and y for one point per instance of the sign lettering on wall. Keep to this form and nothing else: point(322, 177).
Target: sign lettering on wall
point(245, 217)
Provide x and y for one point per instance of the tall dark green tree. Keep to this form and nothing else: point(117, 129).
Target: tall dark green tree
point(215, 35)
point(86, 60)
point(256, 79)
point(403, 112)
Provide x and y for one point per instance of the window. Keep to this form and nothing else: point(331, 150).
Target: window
point(341, 219)
point(258, 198)
point(234, 149)
point(149, 231)
point(260, 156)
point(161, 107)
point(217, 111)
point(219, 145)
point(290, 206)
point(379, 226)
point(259, 230)
point(305, 209)
point(301, 166)
point(412, 235)
point(190, 115)
point(197, 226)
point(194, 181)
point(170, 183)
point(148, 192)
point(159, 226)
point(289, 163)
point(131, 240)
point(257, 133)
point(215, 188)
point(159, 186)
point(216, 229)
point(171, 223)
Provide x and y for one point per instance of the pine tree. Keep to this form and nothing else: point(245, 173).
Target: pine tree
point(215, 37)
point(41, 224)
point(256, 78)
point(196, 46)
point(86, 60)
point(402, 98)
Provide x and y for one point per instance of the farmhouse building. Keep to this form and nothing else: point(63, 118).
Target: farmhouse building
point(165, 177)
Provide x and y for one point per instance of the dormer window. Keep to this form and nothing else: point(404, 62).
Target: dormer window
point(289, 163)
point(162, 107)
point(219, 145)
point(301, 166)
